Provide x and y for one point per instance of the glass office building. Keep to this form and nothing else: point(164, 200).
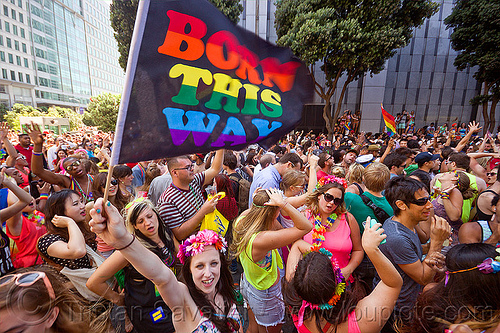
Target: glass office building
point(56, 41)
point(420, 77)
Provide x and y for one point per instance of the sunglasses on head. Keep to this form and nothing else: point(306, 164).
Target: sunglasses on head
point(422, 201)
point(28, 279)
point(329, 198)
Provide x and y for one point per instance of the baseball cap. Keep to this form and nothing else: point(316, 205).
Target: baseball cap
point(426, 157)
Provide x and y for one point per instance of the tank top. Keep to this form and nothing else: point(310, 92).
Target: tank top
point(467, 203)
point(486, 231)
point(260, 278)
point(352, 324)
point(480, 215)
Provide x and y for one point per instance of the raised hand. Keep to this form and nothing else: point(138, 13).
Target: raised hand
point(275, 198)
point(108, 224)
point(474, 127)
point(35, 133)
point(4, 130)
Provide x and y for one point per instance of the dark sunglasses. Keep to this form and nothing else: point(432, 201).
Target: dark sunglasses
point(491, 174)
point(422, 201)
point(113, 182)
point(329, 198)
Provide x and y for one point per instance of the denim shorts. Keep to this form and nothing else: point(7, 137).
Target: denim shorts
point(267, 305)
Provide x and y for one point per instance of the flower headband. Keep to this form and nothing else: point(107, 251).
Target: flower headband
point(195, 244)
point(488, 266)
point(340, 288)
point(331, 179)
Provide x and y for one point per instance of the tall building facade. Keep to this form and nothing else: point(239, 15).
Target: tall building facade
point(420, 77)
point(57, 52)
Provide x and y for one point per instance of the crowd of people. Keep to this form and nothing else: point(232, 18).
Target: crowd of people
point(351, 233)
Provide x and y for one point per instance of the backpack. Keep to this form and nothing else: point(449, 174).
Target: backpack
point(243, 192)
point(380, 214)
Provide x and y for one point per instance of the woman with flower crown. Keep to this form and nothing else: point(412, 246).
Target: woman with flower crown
point(205, 301)
point(315, 289)
point(334, 229)
point(257, 236)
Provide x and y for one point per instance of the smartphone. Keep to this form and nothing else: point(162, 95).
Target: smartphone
point(372, 223)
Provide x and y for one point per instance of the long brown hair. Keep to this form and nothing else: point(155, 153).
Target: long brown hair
point(98, 186)
point(312, 200)
point(56, 205)
point(259, 218)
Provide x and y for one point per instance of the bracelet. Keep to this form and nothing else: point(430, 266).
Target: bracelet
point(44, 196)
point(123, 248)
point(286, 203)
point(37, 153)
point(445, 195)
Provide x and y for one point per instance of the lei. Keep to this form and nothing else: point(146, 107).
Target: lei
point(35, 217)
point(319, 230)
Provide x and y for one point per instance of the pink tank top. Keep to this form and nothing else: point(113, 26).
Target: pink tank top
point(338, 241)
point(352, 324)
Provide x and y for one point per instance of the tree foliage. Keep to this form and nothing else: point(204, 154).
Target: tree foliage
point(21, 110)
point(476, 34)
point(102, 111)
point(123, 13)
point(348, 38)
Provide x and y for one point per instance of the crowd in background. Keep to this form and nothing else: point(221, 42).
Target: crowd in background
point(357, 232)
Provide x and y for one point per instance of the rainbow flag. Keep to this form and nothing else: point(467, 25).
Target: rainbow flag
point(389, 121)
point(347, 127)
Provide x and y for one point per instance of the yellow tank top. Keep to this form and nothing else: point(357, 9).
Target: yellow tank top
point(259, 277)
point(467, 203)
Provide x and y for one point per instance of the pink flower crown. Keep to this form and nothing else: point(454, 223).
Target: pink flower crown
point(195, 244)
point(331, 179)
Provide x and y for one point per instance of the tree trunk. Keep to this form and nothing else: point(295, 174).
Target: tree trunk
point(341, 98)
point(327, 116)
point(494, 103)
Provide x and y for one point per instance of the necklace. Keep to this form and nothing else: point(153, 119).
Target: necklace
point(87, 197)
point(198, 205)
point(319, 230)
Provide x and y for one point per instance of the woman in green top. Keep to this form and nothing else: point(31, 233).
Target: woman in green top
point(256, 238)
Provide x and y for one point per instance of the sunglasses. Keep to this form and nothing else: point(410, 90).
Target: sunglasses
point(189, 167)
point(73, 165)
point(329, 198)
point(28, 279)
point(113, 182)
point(491, 174)
point(422, 201)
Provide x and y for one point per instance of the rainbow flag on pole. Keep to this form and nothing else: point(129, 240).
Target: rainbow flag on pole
point(389, 121)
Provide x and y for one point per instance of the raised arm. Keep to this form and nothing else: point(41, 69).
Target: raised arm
point(215, 168)
point(299, 248)
point(75, 247)
point(37, 159)
point(473, 128)
point(8, 214)
point(373, 309)
point(388, 149)
point(274, 239)
point(4, 131)
point(112, 230)
point(300, 200)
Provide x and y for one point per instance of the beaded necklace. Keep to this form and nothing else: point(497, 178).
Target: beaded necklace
point(198, 205)
point(88, 197)
point(319, 230)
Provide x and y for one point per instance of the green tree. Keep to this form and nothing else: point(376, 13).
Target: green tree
point(102, 111)
point(21, 110)
point(476, 34)
point(123, 13)
point(348, 38)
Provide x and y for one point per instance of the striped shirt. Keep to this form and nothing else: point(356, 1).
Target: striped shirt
point(176, 206)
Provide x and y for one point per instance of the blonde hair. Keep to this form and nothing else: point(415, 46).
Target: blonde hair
point(259, 218)
point(355, 173)
point(375, 177)
point(312, 200)
point(292, 177)
point(338, 171)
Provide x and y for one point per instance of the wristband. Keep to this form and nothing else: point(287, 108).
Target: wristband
point(123, 248)
point(37, 153)
point(286, 203)
point(445, 195)
point(44, 196)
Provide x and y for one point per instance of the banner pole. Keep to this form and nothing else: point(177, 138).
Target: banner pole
point(108, 183)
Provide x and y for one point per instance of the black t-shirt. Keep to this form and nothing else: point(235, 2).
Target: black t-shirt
point(6, 265)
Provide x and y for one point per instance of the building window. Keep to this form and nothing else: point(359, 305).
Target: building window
point(14, 29)
point(6, 11)
point(20, 75)
point(20, 3)
point(13, 75)
point(21, 18)
point(4, 74)
point(28, 79)
point(26, 63)
point(11, 58)
point(1, 40)
point(2, 55)
point(7, 26)
point(9, 42)
point(22, 33)
point(18, 60)
point(16, 45)
point(24, 48)
point(13, 14)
